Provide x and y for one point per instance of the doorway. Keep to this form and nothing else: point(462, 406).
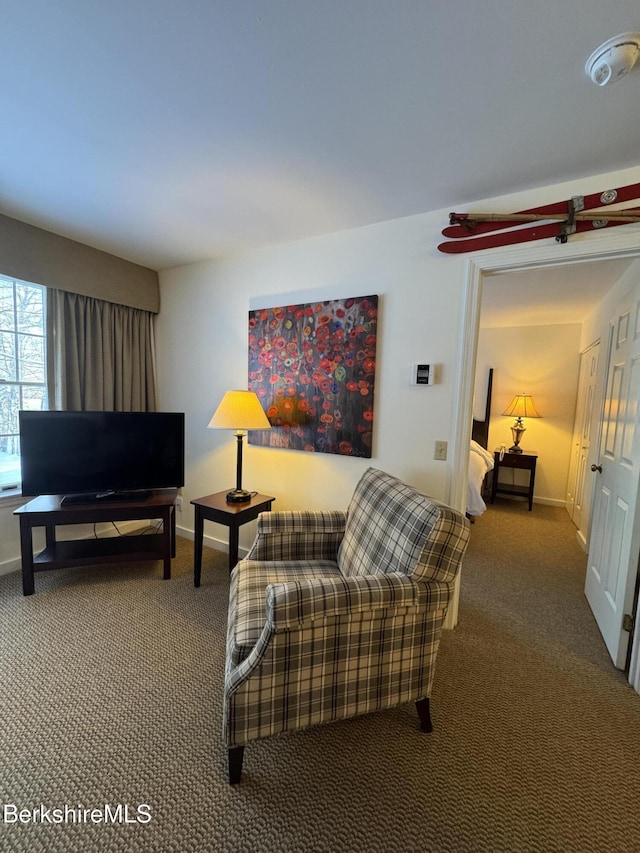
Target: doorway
point(622, 244)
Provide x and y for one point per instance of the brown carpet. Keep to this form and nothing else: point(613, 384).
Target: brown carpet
point(111, 684)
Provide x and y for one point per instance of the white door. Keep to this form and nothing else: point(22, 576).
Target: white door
point(614, 547)
point(584, 426)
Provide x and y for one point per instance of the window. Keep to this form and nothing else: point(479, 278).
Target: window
point(22, 366)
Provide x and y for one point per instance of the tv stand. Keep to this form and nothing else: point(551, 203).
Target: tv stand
point(49, 511)
point(108, 495)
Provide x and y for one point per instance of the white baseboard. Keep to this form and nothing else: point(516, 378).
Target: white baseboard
point(549, 502)
point(536, 500)
point(9, 566)
point(210, 541)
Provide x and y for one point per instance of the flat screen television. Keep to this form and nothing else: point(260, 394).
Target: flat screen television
point(94, 455)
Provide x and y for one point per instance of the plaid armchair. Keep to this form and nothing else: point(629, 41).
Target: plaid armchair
point(336, 614)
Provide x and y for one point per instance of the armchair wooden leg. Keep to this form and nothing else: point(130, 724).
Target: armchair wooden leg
point(236, 754)
point(422, 706)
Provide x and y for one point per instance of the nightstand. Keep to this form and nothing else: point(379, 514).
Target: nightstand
point(525, 461)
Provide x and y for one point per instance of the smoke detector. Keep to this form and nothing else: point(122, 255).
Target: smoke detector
point(613, 59)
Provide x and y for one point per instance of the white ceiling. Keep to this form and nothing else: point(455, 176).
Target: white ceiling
point(168, 131)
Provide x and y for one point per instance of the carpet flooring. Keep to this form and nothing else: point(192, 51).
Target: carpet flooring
point(111, 686)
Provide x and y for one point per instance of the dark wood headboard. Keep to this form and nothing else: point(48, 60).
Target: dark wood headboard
point(480, 429)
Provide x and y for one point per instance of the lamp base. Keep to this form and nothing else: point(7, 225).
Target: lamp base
point(238, 496)
point(517, 431)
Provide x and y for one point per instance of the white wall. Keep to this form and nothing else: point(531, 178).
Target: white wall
point(202, 351)
point(543, 361)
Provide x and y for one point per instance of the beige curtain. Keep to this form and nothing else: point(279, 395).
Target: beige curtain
point(100, 355)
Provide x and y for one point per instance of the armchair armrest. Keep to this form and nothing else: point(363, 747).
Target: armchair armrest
point(293, 603)
point(289, 535)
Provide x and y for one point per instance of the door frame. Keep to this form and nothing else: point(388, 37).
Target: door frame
point(621, 243)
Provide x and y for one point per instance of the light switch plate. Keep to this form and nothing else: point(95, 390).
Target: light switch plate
point(441, 451)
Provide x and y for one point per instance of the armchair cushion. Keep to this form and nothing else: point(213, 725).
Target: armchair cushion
point(387, 527)
point(293, 603)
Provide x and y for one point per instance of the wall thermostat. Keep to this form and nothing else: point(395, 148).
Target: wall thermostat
point(423, 374)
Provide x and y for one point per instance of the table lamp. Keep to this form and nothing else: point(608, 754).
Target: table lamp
point(239, 410)
point(520, 407)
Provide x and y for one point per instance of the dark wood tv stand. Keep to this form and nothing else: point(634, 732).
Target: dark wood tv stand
point(48, 511)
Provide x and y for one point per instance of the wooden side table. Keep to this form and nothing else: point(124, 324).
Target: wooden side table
point(232, 515)
point(525, 461)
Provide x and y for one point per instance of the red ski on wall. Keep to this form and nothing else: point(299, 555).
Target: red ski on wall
point(472, 232)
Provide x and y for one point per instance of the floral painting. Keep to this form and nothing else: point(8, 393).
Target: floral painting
point(313, 368)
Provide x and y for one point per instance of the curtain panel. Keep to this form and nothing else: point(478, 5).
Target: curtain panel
point(100, 355)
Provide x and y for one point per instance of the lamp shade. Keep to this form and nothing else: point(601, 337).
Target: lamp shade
point(239, 410)
point(522, 407)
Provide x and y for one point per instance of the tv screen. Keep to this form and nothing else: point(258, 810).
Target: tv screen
point(73, 453)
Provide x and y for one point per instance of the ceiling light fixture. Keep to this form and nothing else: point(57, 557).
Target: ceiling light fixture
point(613, 59)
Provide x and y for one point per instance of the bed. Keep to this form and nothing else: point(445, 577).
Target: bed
point(480, 459)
